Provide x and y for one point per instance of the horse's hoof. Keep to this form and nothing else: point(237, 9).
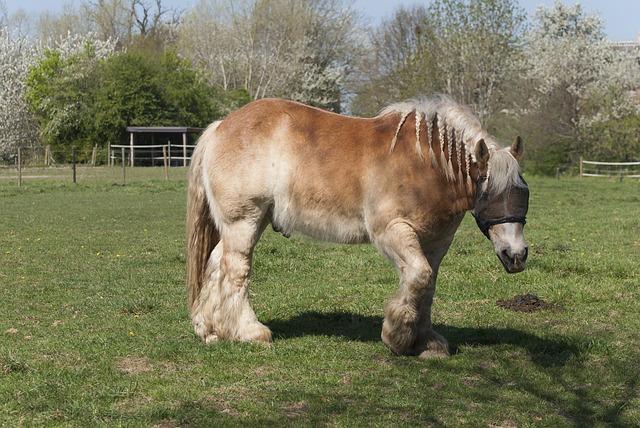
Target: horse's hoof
point(257, 333)
point(432, 354)
point(398, 341)
point(436, 347)
point(211, 338)
point(200, 327)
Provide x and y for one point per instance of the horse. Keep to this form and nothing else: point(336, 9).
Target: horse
point(402, 181)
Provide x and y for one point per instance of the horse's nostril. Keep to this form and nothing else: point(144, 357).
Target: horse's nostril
point(526, 254)
point(505, 254)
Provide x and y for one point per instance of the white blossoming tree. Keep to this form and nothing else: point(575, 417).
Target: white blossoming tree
point(580, 83)
point(17, 126)
point(18, 57)
point(58, 84)
point(576, 72)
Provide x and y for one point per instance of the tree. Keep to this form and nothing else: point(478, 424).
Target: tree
point(287, 48)
point(85, 94)
point(126, 21)
point(60, 90)
point(394, 68)
point(465, 48)
point(476, 44)
point(4, 14)
point(18, 24)
point(56, 26)
point(567, 54)
point(578, 81)
point(17, 125)
point(141, 89)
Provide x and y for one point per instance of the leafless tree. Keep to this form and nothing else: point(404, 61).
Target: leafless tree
point(125, 19)
point(464, 48)
point(112, 19)
point(4, 15)
point(52, 26)
point(286, 48)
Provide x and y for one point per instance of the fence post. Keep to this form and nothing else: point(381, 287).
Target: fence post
point(581, 167)
point(93, 155)
point(19, 167)
point(131, 145)
point(124, 167)
point(47, 155)
point(184, 149)
point(166, 162)
point(109, 153)
point(73, 164)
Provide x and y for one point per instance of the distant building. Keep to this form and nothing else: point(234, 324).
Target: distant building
point(631, 47)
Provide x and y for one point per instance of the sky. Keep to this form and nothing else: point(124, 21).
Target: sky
point(621, 17)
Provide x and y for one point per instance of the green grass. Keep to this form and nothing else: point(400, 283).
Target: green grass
point(94, 328)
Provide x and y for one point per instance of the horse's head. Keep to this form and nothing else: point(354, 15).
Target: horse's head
point(501, 203)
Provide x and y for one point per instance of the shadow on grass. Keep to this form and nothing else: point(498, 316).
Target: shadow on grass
point(547, 352)
point(560, 377)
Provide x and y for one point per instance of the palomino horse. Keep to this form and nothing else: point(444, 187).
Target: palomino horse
point(402, 181)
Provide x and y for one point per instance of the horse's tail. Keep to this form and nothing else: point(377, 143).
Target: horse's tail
point(202, 233)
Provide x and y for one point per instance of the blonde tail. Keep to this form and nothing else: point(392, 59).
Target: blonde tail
point(202, 233)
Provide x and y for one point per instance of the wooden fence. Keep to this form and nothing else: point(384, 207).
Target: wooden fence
point(609, 169)
point(162, 154)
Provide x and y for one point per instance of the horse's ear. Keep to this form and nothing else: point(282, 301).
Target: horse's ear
point(517, 149)
point(482, 156)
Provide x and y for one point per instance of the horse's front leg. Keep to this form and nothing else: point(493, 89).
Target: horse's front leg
point(407, 324)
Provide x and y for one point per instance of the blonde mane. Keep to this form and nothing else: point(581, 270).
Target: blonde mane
point(458, 124)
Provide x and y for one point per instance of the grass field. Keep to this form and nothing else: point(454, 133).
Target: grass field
point(94, 328)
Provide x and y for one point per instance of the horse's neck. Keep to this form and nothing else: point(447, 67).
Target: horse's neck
point(462, 200)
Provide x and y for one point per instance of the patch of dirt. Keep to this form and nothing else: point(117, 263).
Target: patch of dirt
point(505, 424)
point(525, 303)
point(263, 371)
point(295, 410)
point(222, 405)
point(12, 366)
point(166, 423)
point(132, 366)
point(133, 404)
point(168, 367)
point(383, 361)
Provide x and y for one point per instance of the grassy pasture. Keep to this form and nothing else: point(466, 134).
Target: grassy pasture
point(94, 328)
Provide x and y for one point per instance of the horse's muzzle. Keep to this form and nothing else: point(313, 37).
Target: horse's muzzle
point(513, 261)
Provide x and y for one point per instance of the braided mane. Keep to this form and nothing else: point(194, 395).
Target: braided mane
point(459, 127)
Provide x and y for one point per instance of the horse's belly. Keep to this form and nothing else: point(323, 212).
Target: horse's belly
point(322, 224)
point(332, 228)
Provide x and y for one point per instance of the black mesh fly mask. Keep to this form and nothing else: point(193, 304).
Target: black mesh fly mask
point(508, 207)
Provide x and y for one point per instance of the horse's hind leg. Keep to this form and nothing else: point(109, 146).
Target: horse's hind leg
point(208, 300)
point(228, 313)
point(407, 324)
